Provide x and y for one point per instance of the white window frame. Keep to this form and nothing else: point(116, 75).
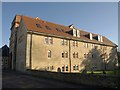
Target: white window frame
point(74, 54)
point(76, 43)
point(63, 54)
point(62, 41)
point(74, 67)
point(49, 54)
point(46, 40)
point(65, 42)
point(73, 43)
point(66, 68)
point(66, 55)
point(63, 66)
point(50, 40)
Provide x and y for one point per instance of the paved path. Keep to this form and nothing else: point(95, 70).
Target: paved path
point(17, 80)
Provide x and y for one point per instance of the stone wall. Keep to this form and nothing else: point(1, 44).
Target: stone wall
point(40, 61)
point(21, 47)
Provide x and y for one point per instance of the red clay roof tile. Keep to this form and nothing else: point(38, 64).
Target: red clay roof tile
point(31, 25)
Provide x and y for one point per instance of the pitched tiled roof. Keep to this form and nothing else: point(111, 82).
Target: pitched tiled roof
point(5, 51)
point(59, 30)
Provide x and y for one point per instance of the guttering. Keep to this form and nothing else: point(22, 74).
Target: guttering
point(69, 38)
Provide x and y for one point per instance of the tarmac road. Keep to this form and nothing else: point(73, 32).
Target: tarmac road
point(11, 79)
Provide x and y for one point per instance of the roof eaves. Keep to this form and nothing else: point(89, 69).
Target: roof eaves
point(70, 38)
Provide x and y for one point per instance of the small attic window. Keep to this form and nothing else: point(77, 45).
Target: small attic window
point(59, 30)
point(38, 25)
point(48, 28)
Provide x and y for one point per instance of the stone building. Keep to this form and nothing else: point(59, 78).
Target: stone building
point(118, 59)
point(5, 57)
point(41, 45)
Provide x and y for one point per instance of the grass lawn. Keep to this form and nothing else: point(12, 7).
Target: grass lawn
point(117, 72)
point(95, 72)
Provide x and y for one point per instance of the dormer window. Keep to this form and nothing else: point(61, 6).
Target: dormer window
point(90, 36)
point(78, 33)
point(38, 25)
point(101, 39)
point(59, 30)
point(74, 32)
point(98, 37)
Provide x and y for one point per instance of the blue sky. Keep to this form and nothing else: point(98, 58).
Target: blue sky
point(96, 17)
point(60, 0)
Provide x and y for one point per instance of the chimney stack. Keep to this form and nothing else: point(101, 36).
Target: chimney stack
point(37, 18)
point(71, 26)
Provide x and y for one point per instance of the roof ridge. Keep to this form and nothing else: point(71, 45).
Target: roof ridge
point(44, 20)
point(58, 24)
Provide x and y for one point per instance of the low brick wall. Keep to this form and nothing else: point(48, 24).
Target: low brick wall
point(84, 79)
